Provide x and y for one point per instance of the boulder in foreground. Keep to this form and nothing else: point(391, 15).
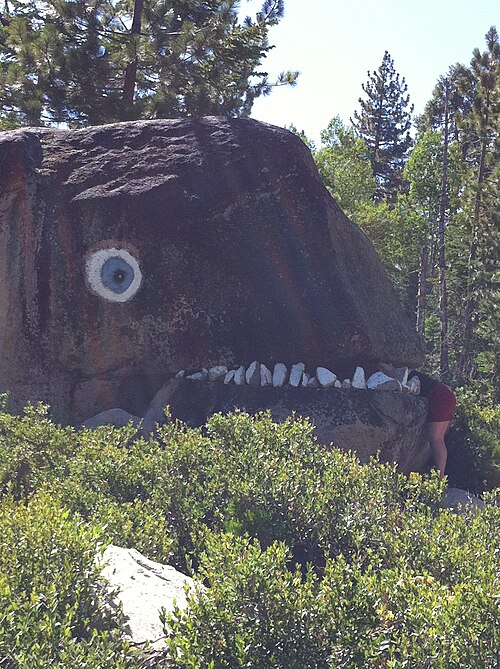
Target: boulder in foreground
point(142, 588)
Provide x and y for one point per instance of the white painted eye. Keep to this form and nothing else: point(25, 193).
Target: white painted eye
point(113, 274)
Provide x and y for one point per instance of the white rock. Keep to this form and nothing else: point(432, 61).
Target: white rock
point(279, 374)
point(377, 379)
point(414, 385)
point(197, 376)
point(180, 374)
point(266, 376)
point(142, 588)
point(325, 377)
point(217, 372)
point(296, 374)
point(380, 381)
point(239, 376)
point(346, 383)
point(305, 379)
point(204, 371)
point(393, 385)
point(313, 382)
point(229, 376)
point(337, 384)
point(252, 375)
point(358, 380)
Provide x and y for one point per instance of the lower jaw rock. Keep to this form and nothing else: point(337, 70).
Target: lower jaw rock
point(362, 420)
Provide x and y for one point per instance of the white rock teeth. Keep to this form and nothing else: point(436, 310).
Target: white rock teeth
point(279, 375)
point(266, 377)
point(358, 380)
point(252, 375)
point(326, 378)
point(380, 381)
point(258, 374)
point(377, 379)
point(239, 376)
point(296, 374)
point(414, 385)
point(229, 376)
point(217, 372)
point(197, 376)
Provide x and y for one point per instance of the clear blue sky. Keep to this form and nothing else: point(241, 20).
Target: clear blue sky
point(334, 44)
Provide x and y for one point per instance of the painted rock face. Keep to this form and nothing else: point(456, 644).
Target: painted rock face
point(130, 251)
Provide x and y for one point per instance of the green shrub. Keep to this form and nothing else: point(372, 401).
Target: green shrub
point(275, 482)
point(245, 475)
point(312, 560)
point(32, 449)
point(51, 609)
point(258, 612)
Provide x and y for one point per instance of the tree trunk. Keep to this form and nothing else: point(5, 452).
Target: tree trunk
point(131, 70)
point(470, 300)
point(443, 297)
point(422, 288)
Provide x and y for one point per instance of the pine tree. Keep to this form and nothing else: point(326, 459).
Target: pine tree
point(85, 62)
point(485, 121)
point(423, 172)
point(383, 123)
point(443, 207)
point(460, 100)
point(472, 231)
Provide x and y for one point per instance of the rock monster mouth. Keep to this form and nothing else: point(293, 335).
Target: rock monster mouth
point(378, 417)
point(259, 375)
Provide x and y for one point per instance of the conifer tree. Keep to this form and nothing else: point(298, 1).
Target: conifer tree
point(470, 225)
point(84, 62)
point(383, 122)
point(459, 102)
point(485, 121)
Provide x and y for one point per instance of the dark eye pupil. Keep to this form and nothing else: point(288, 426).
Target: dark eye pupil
point(117, 274)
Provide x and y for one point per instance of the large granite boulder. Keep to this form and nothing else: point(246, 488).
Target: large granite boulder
point(130, 251)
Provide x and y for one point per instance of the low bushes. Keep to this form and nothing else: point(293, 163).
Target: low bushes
point(311, 559)
point(51, 608)
point(258, 613)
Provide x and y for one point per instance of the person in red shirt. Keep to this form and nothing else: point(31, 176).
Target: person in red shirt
point(442, 402)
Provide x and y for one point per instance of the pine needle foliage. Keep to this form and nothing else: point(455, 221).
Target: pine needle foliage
point(87, 62)
point(383, 122)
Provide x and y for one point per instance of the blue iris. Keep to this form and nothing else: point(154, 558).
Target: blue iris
point(117, 274)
